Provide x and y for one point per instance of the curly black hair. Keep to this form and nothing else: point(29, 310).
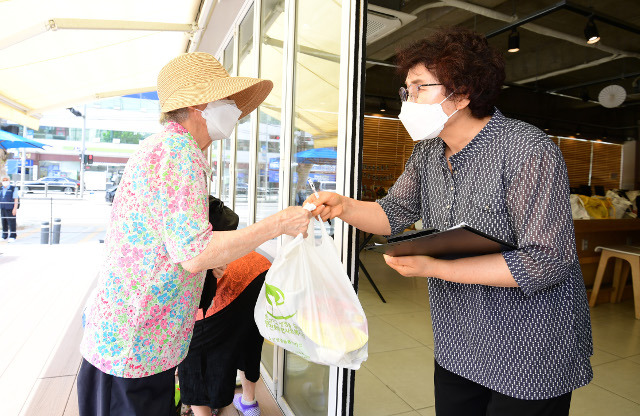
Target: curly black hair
point(463, 62)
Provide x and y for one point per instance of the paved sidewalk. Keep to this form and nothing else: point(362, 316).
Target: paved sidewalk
point(42, 288)
point(82, 220)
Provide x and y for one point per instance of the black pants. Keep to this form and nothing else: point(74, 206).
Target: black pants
point(457, 396)
point(8, 223)
point(101, 394)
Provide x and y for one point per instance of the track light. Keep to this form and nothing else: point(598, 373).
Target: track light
point(514, 41)
point(383, 106)
point(591, 32)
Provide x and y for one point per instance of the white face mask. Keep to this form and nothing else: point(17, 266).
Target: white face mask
point(221, 117)
point(6, 184)
point(424, 121)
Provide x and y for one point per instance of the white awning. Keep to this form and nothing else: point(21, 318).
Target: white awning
point(56, 54)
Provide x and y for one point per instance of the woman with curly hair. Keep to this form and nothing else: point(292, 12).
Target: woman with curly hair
point(512, 334)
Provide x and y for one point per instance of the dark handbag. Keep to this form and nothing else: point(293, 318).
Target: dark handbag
point(222, 218)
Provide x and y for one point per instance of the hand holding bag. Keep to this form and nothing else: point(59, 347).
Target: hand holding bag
point(308, 306)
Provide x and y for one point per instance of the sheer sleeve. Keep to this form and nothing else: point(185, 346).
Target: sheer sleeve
point(538, 202)
point(402, 204)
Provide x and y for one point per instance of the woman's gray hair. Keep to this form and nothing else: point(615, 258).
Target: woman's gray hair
point(178, 116)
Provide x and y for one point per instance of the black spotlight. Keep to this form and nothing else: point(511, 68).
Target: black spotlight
point(591, 32)
point(514, 41)
point(383, 106)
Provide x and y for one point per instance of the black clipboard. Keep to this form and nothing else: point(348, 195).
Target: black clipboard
point(457, 242)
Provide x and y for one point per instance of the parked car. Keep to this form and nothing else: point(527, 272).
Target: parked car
point(51, 183)
point(110, 193)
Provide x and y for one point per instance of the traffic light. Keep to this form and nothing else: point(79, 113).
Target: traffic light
point(88, 159)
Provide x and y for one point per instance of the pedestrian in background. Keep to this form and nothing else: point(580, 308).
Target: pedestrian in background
point(9, 197)
point(139, 319)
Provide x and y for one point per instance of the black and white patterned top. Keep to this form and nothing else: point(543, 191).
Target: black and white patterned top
point(530, 342)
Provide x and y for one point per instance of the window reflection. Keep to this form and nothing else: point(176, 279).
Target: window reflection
point(315, 131)
point(315, 97)
point(270, 115)
point(246, 68)
point(225, 148)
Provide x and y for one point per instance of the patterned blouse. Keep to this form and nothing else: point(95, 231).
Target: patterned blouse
point(140, 317)
point(529, 342)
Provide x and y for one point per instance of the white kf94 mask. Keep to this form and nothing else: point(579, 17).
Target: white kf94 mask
point(424, 121)
point(221, 117)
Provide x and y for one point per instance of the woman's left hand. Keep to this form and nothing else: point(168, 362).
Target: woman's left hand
point(412, 266)
point(219, 271)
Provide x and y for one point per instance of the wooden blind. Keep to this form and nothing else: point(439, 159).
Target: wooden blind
point(387, 147)
point(607, 158)
point(577, 156)
point(604, 165)
point(385, 150)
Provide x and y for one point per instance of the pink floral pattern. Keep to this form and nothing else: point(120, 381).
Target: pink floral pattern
point(139, 320)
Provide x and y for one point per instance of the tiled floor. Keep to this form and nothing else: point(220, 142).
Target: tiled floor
point(397, 379)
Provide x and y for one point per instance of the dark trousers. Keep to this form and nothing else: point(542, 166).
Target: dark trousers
point(8, 223)
point(101, 394)
point(457, 396)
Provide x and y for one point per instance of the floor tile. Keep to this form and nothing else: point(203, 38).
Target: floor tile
point(607, 310)
point(396, 303)
point(617, 334)
point(427, 411)
point(385, 337)
point(419, 296)
point(601, 357)
point(592, 400)
point(621, 377)
point(408, 372)
point(415, 324)
point(374, 398)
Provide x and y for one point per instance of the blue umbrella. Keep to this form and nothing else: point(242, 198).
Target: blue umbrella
point(320, 155)
point(13, 141)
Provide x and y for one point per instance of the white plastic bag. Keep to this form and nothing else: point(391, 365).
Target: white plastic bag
point(578, 211)
point(308, 307)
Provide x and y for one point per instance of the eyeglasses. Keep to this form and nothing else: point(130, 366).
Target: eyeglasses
point(412, 91)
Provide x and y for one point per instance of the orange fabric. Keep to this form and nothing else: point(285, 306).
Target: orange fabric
point(236, 278)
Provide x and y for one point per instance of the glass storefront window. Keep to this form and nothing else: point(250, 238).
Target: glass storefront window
point(270, 129)
point(225, 148)
point(305, 386)
point(246, 68)
point(314, 152)
point(270, 113)
point(317, 74)
point(214, 151)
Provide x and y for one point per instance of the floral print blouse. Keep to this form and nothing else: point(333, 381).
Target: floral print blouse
point(139, 319)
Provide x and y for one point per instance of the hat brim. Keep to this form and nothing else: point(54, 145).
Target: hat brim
point(247, 93)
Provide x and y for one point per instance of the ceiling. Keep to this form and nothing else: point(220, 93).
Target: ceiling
point(553, 81)
point(56, 54)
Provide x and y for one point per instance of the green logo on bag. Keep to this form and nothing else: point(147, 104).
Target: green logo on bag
point(278, 299)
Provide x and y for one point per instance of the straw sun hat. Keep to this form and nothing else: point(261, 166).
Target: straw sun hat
point(198, 78)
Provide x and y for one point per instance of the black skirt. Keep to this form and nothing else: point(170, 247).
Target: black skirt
point(221, 344)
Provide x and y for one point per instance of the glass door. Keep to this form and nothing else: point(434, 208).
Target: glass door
point(314, 140)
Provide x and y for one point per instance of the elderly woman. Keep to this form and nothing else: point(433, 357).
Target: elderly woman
point(140, 318)
point(512, 334)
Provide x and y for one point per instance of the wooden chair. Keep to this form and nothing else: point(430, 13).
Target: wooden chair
point(621, 252)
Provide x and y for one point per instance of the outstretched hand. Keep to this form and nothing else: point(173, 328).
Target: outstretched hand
point(293, 221)
point(328, 206)
point(218, 272)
